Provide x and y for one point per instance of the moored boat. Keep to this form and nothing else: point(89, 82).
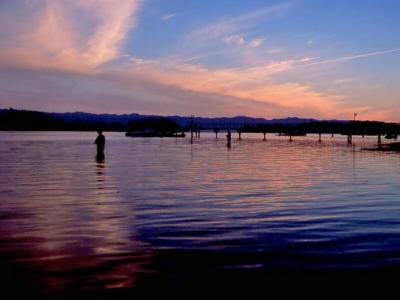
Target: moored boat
point(155, 134)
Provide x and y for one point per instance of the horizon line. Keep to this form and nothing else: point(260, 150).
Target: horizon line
point(189, 116)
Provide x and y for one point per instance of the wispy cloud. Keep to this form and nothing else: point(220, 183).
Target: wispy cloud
point(236, 40)
point(168, 17)
point(233, 40)
point(234, 25)
point(52, 35)
point(248, 84)
point(240, 40)
point(255, 43)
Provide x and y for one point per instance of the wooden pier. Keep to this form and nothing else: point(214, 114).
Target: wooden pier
point(349, 129)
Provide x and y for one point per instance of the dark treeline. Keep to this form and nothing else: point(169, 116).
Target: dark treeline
point(11, 119)
point(32, 120)
point(22, 120)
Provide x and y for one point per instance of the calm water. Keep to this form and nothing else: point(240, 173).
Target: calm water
point(167, 208)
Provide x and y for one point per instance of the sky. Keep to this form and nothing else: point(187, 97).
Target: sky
point(263, 58)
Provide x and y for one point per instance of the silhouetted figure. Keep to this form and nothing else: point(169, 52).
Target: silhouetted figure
point(100, 143)
point(100, 158)
point(228, 138)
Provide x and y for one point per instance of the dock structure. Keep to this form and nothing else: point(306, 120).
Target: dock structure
point(346, 128)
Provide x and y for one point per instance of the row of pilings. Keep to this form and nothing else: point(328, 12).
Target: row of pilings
point(196, 134)
point(347, 128)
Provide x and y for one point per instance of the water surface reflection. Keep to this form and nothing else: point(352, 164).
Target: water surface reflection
point(169, 208)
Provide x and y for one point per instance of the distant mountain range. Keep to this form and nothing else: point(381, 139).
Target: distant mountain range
point(108, 119)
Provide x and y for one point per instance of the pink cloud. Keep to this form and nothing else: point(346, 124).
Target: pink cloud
point(255, 43)
point(51, 36)
point(236, 40)
point(250, 84)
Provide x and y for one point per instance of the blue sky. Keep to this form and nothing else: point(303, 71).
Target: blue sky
point(323, 59)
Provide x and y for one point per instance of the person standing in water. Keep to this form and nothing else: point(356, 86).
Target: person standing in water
point(100, 143)
point(228, 138)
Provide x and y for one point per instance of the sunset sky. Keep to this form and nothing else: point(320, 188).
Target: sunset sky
point(272, 59)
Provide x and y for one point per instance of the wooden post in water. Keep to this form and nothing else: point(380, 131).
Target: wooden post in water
point(240, 135)
point(191, 126)
point(349, 139)
point(290, 138)
point(216, 132)
point(264, 135)
point(320, 138)
point(333, 135)
point(379, 140)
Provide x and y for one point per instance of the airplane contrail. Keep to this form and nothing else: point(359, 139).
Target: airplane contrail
point(357, 56)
